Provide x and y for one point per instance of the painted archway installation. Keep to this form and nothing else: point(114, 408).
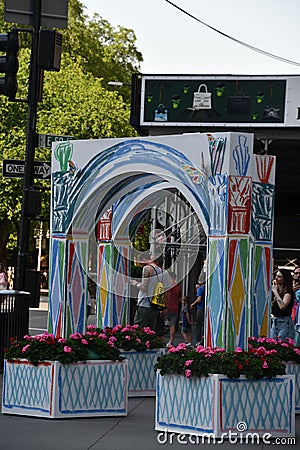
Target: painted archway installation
point(231, 191)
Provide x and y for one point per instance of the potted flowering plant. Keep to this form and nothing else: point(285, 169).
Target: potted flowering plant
point(254, 364)
point(62, 379)
point(141, 347)
point(220, 389)
point(285, 349)
point(289, 353)
point(134, 337)
point(47, 347)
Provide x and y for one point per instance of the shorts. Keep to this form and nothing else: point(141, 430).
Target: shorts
point(172, 319)
point(187, 329)
point(146, 317)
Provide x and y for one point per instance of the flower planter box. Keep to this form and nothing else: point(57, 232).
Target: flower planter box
point(216, 405)
point(141, 373)
point(55, 390)
point(294, 369)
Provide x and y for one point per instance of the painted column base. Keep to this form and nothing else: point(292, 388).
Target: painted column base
point(216, 405)
point(55, 390)
point(141, 373)
point(294, 369)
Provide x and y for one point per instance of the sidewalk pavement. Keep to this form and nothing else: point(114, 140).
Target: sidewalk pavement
point(132, 432)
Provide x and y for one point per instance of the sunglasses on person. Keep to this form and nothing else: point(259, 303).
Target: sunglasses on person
point(296, 273)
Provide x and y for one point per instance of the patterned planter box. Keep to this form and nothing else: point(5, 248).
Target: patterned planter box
point(141, 373)
point(294, 369)
point(216, 405)
point(55, 390)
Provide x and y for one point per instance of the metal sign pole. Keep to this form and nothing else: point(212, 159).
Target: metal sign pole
point(23, 247)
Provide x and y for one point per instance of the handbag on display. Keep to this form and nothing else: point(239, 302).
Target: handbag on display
point(271, 112)
point(238, 104)
point(161, 113)
point(202, 98)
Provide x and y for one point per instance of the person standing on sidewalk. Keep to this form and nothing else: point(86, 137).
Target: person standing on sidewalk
point(146, 315)
point(3, 277)
point(199, 303)
point(174, 298)
point(282, 305)
point(186, 329)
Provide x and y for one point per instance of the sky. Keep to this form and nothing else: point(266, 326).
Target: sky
point(173, 43)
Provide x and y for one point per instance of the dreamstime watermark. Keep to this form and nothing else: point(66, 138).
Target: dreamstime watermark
point(241, 436)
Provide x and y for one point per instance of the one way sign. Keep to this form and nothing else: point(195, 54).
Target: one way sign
point(14, 168)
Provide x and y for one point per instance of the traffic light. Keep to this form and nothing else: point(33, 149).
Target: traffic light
point(50, 47)
point(9, 64)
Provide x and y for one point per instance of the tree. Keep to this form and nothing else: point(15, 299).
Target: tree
point(108, 53)
point(75, 102)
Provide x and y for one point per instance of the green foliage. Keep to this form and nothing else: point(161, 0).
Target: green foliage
point(76, 101)
point(141, 241)
point(108, 53)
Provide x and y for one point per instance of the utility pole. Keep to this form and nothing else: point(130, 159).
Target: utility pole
point(29, 195)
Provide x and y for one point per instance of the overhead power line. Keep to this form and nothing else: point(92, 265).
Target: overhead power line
point(238, 41)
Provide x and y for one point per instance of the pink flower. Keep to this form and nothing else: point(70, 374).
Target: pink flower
point(75, 336)
point(188, 362)
point(261, 351)
point(138, 340)
point(172, 350)
point(127, 337)
point(91, 327)
point(25, 348)
point(188, 373)
point(27, 337)
point(265, 365)
point(67, 349)
point(103, 336)
point(125, 329)
point(181, 346)
point(148, 330)
point(84, 342)
point(238, 350)
point(62, 340)
point(147, 344)
point(200, 349)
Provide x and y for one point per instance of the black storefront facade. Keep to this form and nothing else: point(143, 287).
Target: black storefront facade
point(267, 106)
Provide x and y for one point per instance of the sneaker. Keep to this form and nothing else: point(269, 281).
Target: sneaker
point(170, 344)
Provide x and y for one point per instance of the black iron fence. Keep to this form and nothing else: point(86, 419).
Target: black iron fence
point(14, 318)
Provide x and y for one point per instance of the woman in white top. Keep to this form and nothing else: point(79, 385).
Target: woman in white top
point(3, 277)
